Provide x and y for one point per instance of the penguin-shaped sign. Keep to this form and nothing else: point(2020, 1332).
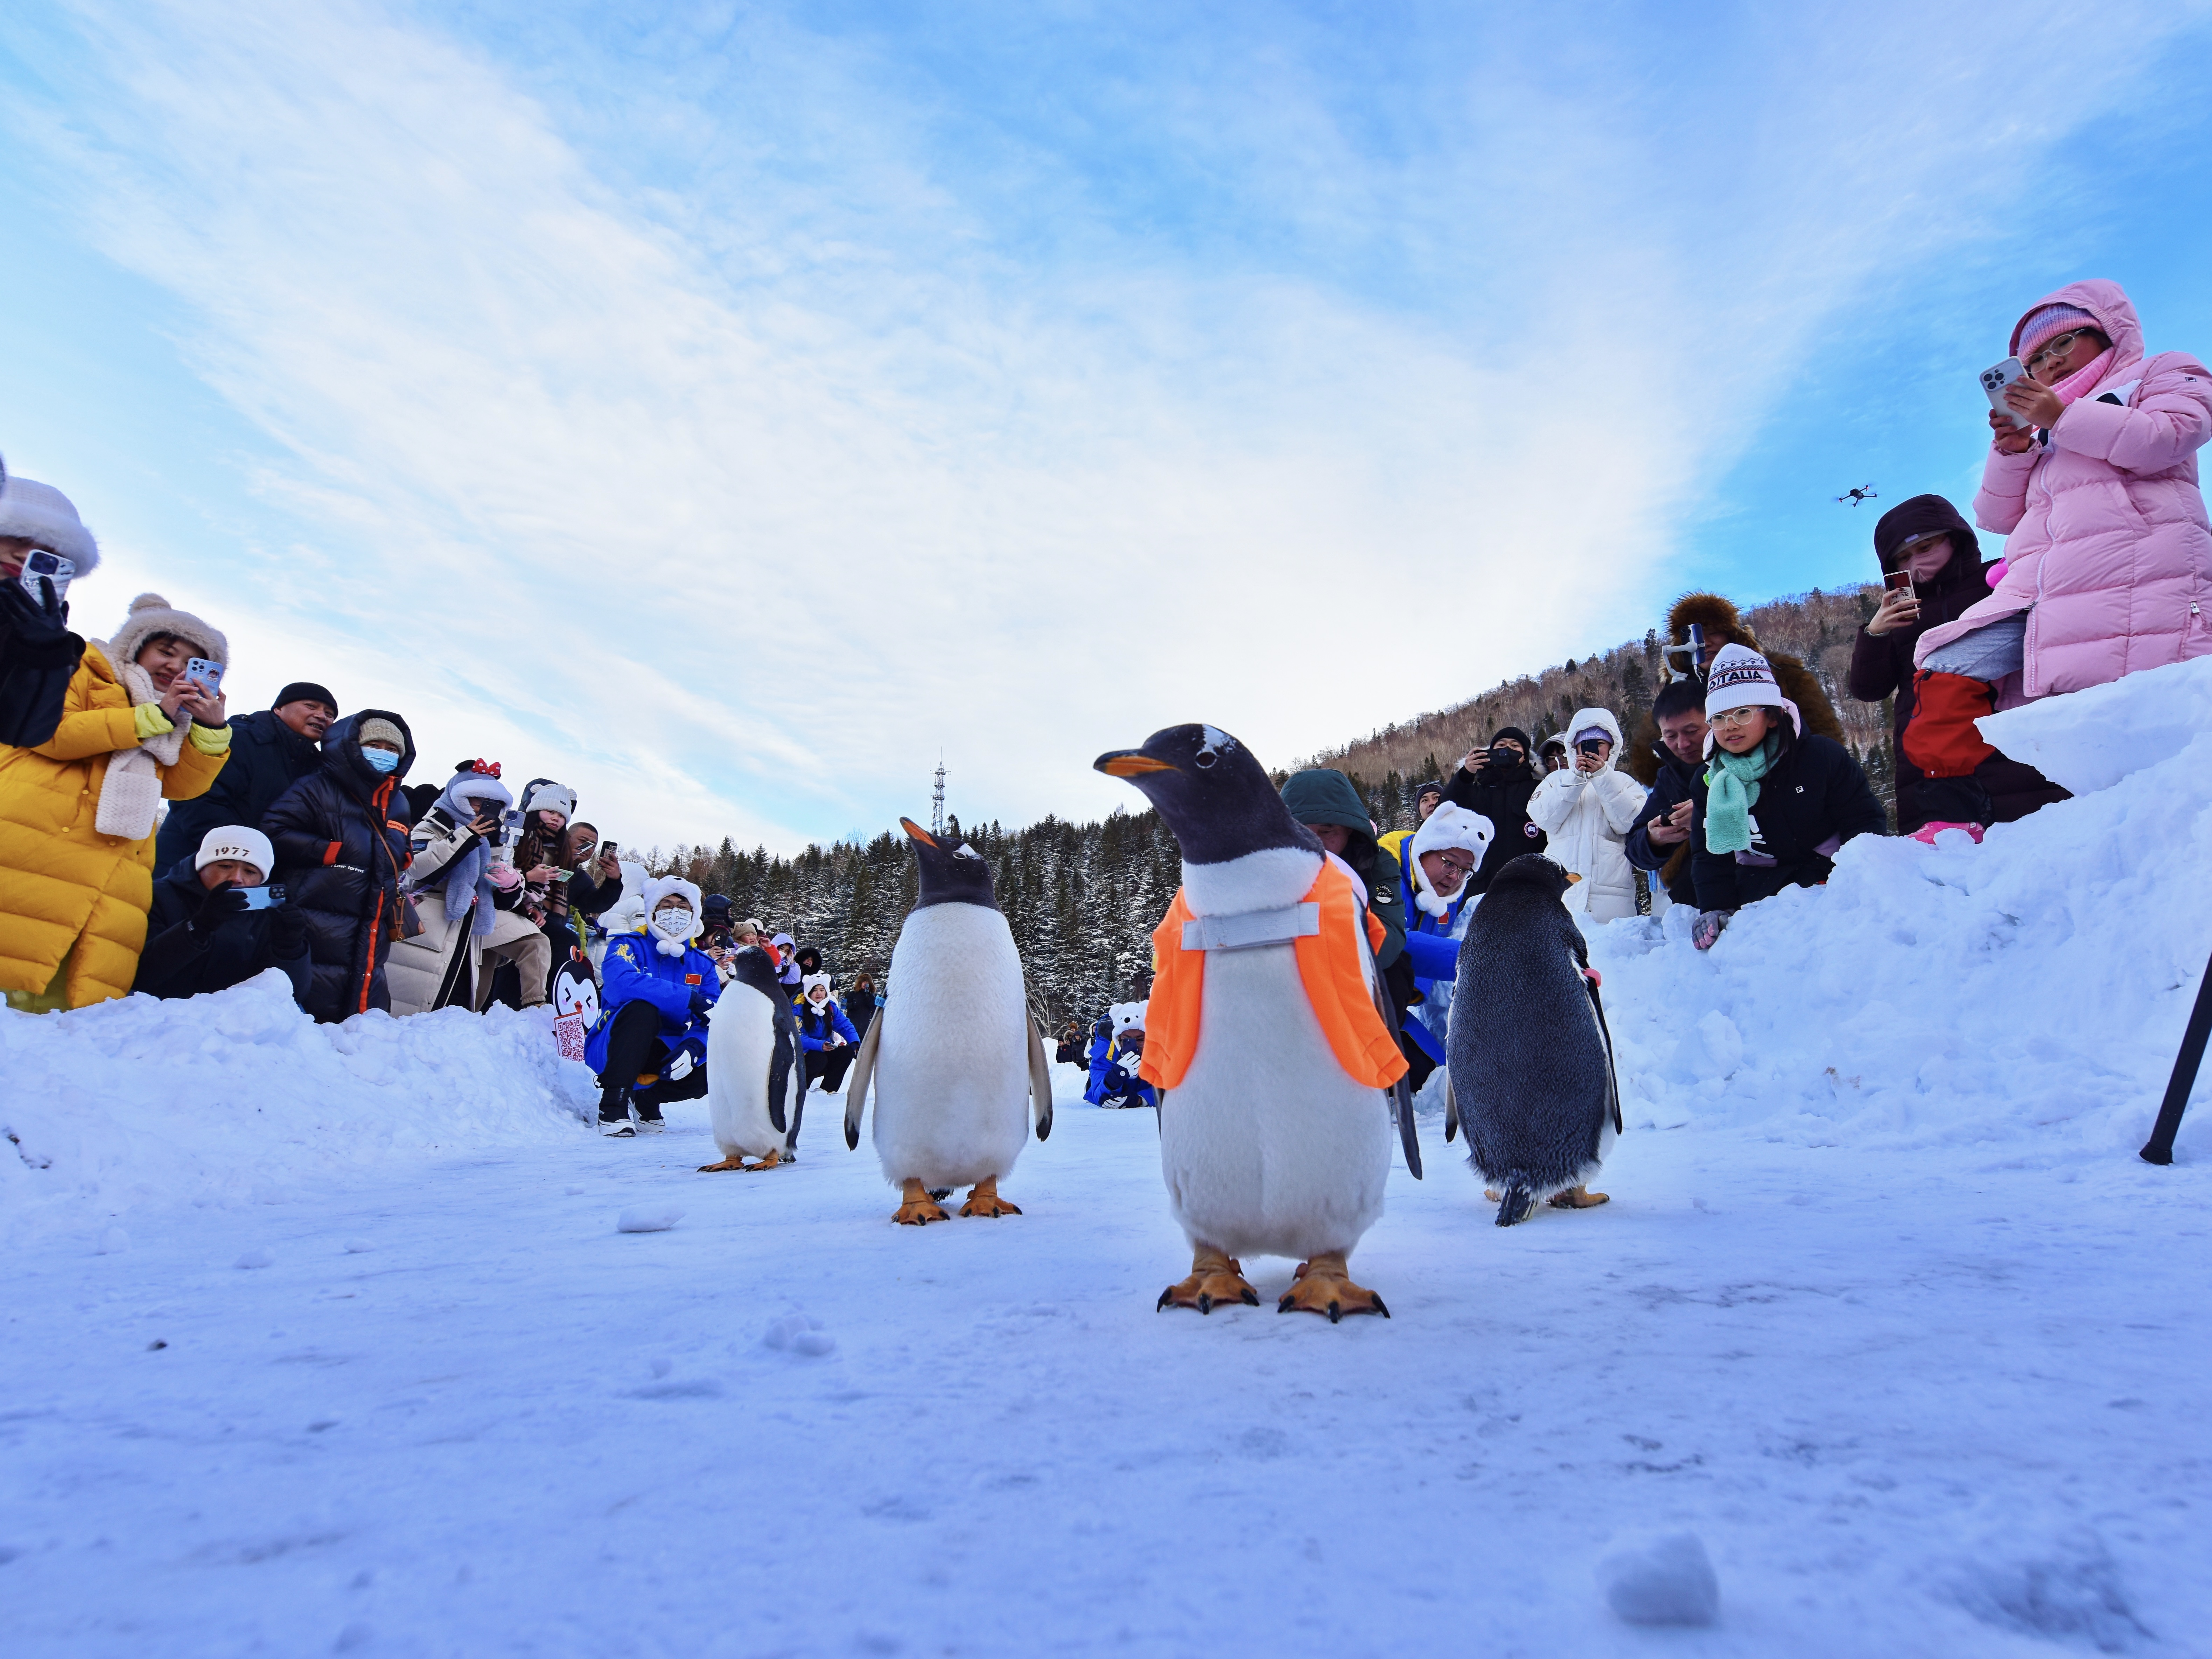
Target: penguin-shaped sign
point(753, 1077)
point(1272, 1051)
point(954, 1057)
point(1531, 1066)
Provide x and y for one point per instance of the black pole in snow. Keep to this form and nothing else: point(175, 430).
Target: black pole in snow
point(2158, 1149)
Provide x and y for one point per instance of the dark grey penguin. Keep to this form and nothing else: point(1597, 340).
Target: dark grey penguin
point(1531, 1066)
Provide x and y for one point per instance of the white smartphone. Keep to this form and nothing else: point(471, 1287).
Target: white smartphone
point(204, 673)
point(1994, 382)
point(40, 566)
point(264, 898)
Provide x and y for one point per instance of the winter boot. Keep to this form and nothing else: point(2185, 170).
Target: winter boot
point(614, 1112)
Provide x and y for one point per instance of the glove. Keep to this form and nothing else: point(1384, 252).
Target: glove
point(1708, 927)
point(38, 620)
point(287, 932)
point(219, 906)
point(699, 1004)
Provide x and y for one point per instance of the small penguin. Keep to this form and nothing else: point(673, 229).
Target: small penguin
point(957, 1060)
point(752, 1070)
point(1265, 1034)
point(1531, 1065)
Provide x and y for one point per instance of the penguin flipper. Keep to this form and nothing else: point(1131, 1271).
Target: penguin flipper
point(781, 1059)
point(1451, 1107)
point(856, 1084)
point(1040, 1083)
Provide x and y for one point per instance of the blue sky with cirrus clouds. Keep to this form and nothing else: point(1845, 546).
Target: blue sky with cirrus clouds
point(731, 408)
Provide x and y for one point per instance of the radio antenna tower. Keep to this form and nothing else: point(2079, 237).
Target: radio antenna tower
point(937, 804)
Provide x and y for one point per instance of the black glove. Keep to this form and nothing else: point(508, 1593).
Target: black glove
point(1707, 928)
point(39, 621)
point(220, 905)
point(699, 1004)
point(287, 932)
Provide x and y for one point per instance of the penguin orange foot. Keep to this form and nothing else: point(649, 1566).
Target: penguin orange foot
point(736, 1160)
point(1579, 1198)
point(919, 1209)
point(1215, 1281)
point(1323, 1286)
point(985, 1199)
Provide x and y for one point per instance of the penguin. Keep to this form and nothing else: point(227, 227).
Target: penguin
point(1270, 1145)
point(956, 1061)
point(753, 1075)
point(1531, 1071)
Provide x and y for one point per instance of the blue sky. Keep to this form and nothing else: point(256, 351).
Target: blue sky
point(729, 409)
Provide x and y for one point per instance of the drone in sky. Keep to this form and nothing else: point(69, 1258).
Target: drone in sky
point(1863, 493)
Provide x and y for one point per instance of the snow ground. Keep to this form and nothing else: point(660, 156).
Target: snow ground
point(1916, 1347)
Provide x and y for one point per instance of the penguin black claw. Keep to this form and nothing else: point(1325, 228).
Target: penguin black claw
point(1166, 1297)
point(1514, 1206)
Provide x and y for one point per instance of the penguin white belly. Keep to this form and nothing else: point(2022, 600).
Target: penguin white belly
point(951, 1078)
point(740, 1048)
point(1269, 1147)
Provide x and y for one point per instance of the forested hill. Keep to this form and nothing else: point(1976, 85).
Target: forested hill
point(1082, 899)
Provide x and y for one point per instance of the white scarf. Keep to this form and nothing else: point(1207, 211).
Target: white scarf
point(131, 793)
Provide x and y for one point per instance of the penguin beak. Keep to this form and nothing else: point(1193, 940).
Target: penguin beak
point(917, 832)
point(1130, 763)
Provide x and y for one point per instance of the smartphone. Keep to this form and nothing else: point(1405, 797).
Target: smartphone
point(559, 876)
point(263, 898)
point(1994, 382)
point(607, 848)
point(206, 674)
point(1898, 580)
point(39, 565)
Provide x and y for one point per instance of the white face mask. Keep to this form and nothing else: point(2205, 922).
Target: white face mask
point(675, 922)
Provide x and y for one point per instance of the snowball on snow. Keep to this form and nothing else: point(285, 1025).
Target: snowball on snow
point(1667, 1580)
point(647, 1219)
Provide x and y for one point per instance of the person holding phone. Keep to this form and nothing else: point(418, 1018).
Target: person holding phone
point(1495, 782)
point(215, 923)
point(471, 919)
point(2108, 560)
point(1586, 809)
point(1929, 544)
point(78, 812)
point(38, 655)
point(1658, 842)
point(270, 749)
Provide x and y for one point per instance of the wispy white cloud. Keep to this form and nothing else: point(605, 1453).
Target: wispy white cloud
point(737, 504)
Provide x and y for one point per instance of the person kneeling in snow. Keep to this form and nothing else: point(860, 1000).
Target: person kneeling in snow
point(1117, 1044)
point(1775, 803)
point(830, 1042)
point(649, 1045)
point(201, 933)
point(1445, 852)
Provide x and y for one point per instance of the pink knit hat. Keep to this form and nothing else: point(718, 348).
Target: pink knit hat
point(2051, 321)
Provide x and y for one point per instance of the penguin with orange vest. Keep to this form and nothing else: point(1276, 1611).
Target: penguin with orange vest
point(1275, 1056)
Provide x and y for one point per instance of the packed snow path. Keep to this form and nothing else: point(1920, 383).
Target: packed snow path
point(1911, 1405)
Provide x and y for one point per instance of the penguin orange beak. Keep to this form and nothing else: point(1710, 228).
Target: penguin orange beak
point(917, 832)
point(1130, 763)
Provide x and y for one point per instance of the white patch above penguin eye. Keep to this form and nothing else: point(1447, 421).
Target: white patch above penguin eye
point(964, 851)
point(1217, 743)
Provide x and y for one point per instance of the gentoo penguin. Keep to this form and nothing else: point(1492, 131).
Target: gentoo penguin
point(1532, 1077)
point(954, 1057)
point(752, 1070)
point(1263, 1034)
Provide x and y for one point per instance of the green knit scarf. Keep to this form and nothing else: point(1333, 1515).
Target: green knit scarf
point(1731, 791)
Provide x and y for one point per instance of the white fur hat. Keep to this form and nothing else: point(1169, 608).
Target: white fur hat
point(1455, 826)
point(41, 513)
point(1128, 1016)
point(151, 614)
point(237, 840)
point(807, 985)
point(668, 887)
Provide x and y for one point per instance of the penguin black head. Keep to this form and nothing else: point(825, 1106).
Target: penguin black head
point(957, 874)
point(751, 966)
point(1211, 791)
point(1532, 872)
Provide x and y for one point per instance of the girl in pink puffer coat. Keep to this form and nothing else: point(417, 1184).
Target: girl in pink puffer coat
point(2109, 556)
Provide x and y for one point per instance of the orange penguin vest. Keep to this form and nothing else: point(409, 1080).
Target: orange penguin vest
point(1329, 967)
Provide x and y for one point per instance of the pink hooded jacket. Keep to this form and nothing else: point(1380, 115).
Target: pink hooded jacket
point(2108, 550)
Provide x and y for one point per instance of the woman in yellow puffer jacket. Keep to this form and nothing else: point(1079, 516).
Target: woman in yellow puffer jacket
point(77, 812)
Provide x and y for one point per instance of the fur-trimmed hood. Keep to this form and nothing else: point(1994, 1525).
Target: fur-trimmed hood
point(151, 614)
point(40, 513)
point(1724, 625)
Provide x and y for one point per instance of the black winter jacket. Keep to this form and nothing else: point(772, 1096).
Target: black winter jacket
point(1815, 794)
point(1503, 797)
point(1677, 783)
point(267, 757)
point(38, 659)
point(180, 960)
point(341, 842)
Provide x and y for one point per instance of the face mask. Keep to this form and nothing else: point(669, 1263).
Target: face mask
point(380, 760)
point(674, 923)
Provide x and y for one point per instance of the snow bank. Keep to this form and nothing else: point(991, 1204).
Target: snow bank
point(2029, 992)
point(240, 1098)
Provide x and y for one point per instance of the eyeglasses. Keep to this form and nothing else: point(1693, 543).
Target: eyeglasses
point(2055, 348)
point(1734, 717)
point(1454, 865)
